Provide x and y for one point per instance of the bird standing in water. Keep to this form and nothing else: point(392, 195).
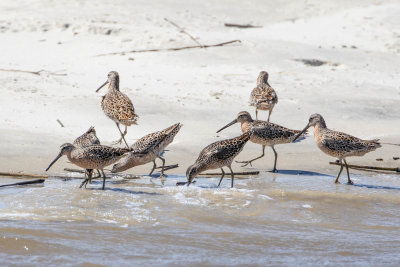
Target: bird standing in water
point(150, 147)
point(217, 155)
point(117, 106)
point(263, 133)
point(337, 144)
point(91, 157)
point(89, 138)
point(263, 97)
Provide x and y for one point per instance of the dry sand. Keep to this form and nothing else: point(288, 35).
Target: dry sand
point(357, 90)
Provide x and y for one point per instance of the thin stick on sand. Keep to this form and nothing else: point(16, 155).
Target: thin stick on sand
point(242, 26)
point(169, 49)
point(367, 167)
point(183, 31)
point(35, 72)
point(61, 124)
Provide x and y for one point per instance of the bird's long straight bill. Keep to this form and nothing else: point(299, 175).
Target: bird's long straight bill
point(226, 126)
point(98, 89)
point(54, 161)
point(297, 136)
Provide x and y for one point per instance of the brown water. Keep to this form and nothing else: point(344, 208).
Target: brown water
point(291, 218)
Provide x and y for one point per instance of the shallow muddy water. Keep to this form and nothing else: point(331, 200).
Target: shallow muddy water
point(290, 218)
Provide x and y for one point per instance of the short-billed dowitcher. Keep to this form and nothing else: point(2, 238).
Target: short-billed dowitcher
point(263, 97)
point(117, 106)
point(147, 149)
point(263, 133)
point(89, 138)
point(337, 144)
point(91, 157)
point(218, 155)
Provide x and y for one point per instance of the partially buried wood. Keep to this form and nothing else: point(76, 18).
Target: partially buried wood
point(242, 26)
point(368, 167)
point(23, 175)
point(38, 181)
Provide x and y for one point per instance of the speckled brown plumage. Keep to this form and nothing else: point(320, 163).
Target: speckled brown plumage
point(89, 138)
point(339, 145)
point(117, 106)
point(264, 133)
point(147, 149)
point(263, 97)
point(218, 155)
point(91, 157)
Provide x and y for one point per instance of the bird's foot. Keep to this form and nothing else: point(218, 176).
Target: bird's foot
point(274, 170)
point(350, 182)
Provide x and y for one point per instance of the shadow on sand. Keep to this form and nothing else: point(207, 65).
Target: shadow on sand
point(376, 186)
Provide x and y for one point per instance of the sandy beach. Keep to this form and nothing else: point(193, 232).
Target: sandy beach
point(356, 87)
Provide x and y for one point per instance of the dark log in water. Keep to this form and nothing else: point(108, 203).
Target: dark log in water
point(38, 181)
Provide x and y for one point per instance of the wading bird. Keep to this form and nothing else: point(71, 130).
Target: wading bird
point(263, 133)
point(117, 106)
point(337, 144)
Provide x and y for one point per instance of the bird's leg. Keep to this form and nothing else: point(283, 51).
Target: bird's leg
point(256, 113)
point(154, 167)
point(163, 165)
point(341, 169)
point(90, 174)
point(233, 176)
point(104, 179)
point(122, 135)
point(348, 174)
point(98, 174)
point(84, 183)
point(276, 159)
point(247, 162)
point(222, 177)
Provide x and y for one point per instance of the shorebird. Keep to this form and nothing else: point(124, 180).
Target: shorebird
point(117, 106)
point(217, 155)
point(89, 138)
point(147, 149)
point(263, 97)
point(263, 133)
point(91, 157)
point(337, 144)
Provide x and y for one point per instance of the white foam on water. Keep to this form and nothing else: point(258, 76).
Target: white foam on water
point(265, 197)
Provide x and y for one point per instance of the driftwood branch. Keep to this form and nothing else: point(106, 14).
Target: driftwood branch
point(367, 167)
point(38, 181)
point(183, 31)
point(242, 26)
point(23, 175)
point(35, 72)
point(169, 49)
